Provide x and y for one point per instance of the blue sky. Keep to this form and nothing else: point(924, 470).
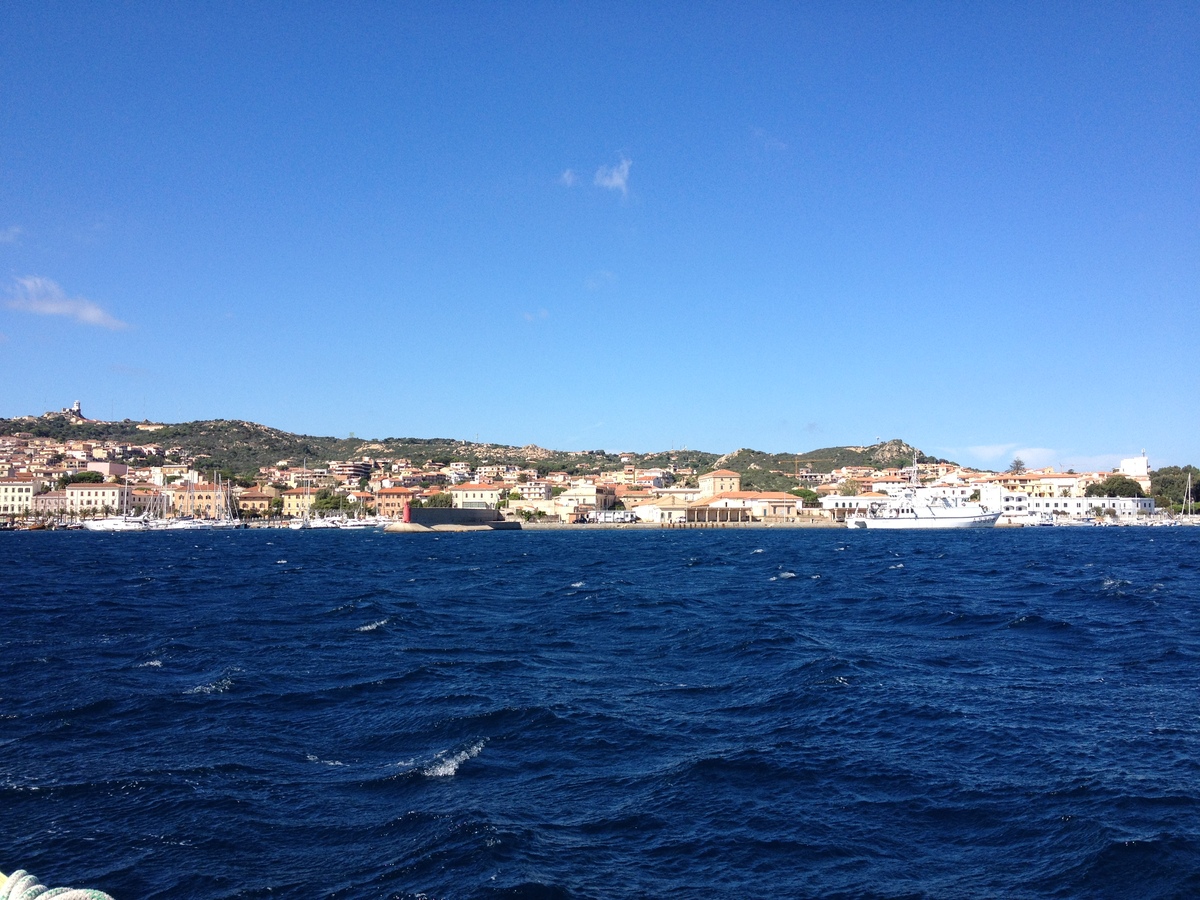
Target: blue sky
point(624, 226)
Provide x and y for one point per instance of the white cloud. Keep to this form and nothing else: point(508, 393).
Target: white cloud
point(1037, 457)
point(991, 451)
point(44, 297)
point(615, 178)
point(568, 178)
point(10, 234)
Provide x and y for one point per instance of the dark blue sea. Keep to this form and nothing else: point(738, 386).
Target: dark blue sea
point(767, 713)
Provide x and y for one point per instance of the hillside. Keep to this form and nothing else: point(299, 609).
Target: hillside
point(237, 447)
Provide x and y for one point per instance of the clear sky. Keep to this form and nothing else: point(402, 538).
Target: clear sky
point(634, 226)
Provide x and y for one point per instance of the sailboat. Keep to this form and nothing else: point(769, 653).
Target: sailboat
point(305, 521)
point(224, 509)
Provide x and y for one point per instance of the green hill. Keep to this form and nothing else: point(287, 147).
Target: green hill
point(237, 447)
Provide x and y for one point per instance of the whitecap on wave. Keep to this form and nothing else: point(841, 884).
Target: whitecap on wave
point(372, 626)
point(151, 664)
point(578, 584)
point(219, 686)
point(446, 765)
point(324, 762)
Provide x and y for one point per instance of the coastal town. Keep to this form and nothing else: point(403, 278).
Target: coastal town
point(47, 482)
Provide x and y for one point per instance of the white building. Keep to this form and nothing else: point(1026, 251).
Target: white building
point(1124, 509)
point(96, 497)
point(1013, 505)
point(16, 496)
point(476, 496)
point(534, 490)
point(1137, 469)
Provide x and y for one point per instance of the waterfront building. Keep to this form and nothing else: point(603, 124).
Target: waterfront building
point(842, 507)
point(473, 495)
point(1123, 509)
point(744, 506)
point(588, 494)
point(719, 482)
point(391, 501)
point(297, 502)
point(16, 496)
point(50, 504)
point(255, 502)
point(96, 497)
point(201, 501)
point(667, 509)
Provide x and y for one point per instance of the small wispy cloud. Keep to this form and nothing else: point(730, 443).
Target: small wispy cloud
point(598, 280)
point(44, 297)
point(1104, 462)
point(766, 140)
point(568, 178)
point(10, 234)
point(533, 317)
point(615, 178)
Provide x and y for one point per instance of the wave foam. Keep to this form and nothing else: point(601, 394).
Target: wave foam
point(324, 762)
point(372, 626)
point(213, 687)
point(448, 765)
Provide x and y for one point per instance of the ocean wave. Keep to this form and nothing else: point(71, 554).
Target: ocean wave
point(325, 762)
point(373, 625)
point(446, 764)
point(220, 686)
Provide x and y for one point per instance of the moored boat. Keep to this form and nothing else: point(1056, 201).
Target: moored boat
point(924, 508)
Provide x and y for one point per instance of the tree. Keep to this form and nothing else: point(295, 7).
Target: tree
point(1115, 486)
point(84, 477)
point(810, 498)
point(1169, 484)
point(441, 500)
point(1017, 466)
point(849, 488)
point(327, 500)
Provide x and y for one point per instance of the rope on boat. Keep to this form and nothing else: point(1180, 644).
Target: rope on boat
point(20, 885)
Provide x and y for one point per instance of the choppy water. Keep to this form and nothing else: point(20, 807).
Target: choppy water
point(606, 714)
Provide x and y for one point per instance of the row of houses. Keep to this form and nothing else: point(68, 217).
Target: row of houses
point(30, 466)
